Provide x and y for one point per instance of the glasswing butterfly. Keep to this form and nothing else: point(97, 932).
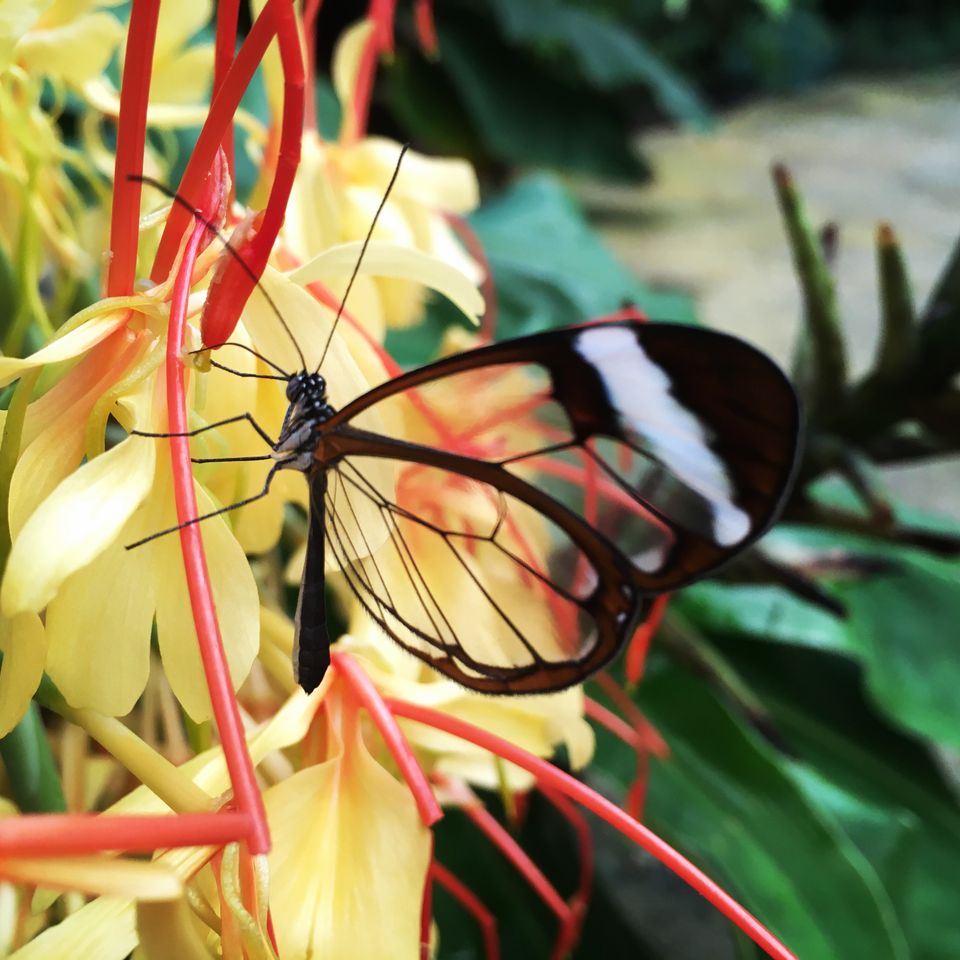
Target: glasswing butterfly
point(588, 470)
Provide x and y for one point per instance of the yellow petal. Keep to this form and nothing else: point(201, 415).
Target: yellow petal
point(99, 624)
point(16, 18)
point(346, 66)
point(75, 51)
point(349, 860)
point(70, 345)
point(104, 929)
point(384, 259)
point(79, 520)
point(439, 183)
point(185, 80)
point(24, 648)
point(171, 929)
point(98, 875)
point(237, 603)
point(179, 20)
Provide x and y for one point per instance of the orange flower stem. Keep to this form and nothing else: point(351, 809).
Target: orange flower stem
point(581, 899)
point(470, 240)
point(225, 47)
point(220, 117)
point(79, 834)
point(393, 737)
point(426, 28)
point(498, 835)
point(473, 905)
point(131, 138)
point(215, 668)
point(553, 778)
point(639, 646)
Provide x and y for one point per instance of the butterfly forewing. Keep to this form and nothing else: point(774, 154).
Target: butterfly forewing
point(546, 485)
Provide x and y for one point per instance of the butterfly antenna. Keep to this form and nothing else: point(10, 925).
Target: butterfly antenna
point(363, 250)
point(231, 250)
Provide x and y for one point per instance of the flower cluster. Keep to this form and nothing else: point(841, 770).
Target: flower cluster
point(303, 827)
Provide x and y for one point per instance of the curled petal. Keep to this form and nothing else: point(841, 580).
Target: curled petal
point(392, 260)
point(439, 183)
point(24, 646)
point(77, 522)
point(70, 345)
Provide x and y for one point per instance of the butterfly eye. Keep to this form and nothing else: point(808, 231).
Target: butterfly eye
point(295, 388)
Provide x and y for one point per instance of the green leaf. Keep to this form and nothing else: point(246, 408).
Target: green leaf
point(550, 269)
point(726, 801)
point(875, 773)
point(524, 115)
point(30, 766)
point(607, 53)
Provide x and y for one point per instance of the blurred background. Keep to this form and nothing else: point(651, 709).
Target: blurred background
point(808, 696)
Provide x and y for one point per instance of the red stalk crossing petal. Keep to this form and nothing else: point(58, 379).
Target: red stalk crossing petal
point(215, 668)
point(311, 9)
point(81, 834)
point(131, 138)
point(473, 905)
point(393, 737)
point(426, 908)
point(549, 775)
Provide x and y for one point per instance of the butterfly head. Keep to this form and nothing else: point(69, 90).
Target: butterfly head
point(309, 409)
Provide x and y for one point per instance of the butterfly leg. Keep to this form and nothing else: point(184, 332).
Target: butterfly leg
point(210, 426)
point(212, 513)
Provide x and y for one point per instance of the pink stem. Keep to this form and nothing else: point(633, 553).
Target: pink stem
point(640, 644)
point(556, 779)
point(215, 667)
point(224, 50)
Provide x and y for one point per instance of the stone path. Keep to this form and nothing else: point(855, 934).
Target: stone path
point(861, 152)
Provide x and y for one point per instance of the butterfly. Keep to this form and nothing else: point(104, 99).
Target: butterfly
point(560, 483)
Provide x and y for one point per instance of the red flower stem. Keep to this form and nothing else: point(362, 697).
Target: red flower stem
point(639, 646)
point(79, 834)
point(131, 138)
point(426, 906)
point(473, 905)
point(380, 40)
point(396, 742)
point(469, 238)
point(426, 28)
point(581, 828)
point(224, 50)
point(215, 667)
point(498, 835)
point(552, 778)
point(311, 9)
point(222, 110)
point(621, 730)
point(642, 727)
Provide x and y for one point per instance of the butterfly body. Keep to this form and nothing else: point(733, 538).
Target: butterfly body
point(489, 558)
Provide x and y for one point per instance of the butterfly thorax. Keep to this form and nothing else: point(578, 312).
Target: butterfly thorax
point(303, 422)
